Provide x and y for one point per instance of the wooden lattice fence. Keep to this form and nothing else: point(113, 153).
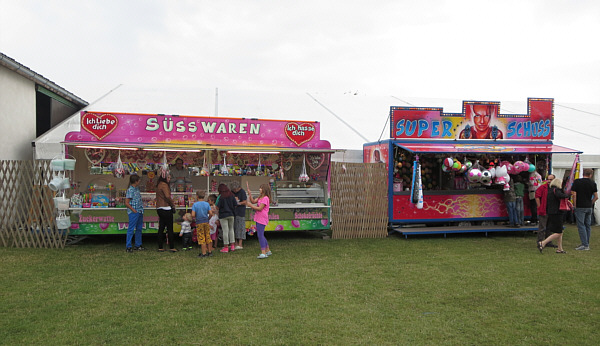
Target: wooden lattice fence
point(359, 200)
point(27, 210)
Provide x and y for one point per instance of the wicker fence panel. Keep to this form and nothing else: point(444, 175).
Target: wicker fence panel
point(359, 200)
point(27, 210)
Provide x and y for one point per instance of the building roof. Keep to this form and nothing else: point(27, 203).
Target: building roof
point(37, 78)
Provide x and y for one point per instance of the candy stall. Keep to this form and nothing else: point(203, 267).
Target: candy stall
point(448, 172)
point(201, 153)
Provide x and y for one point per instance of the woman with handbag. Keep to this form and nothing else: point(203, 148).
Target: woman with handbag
point(555, 215)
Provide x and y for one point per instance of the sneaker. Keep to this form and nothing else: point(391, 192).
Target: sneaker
point(202, 256)
point(225, 250)
point(581, 247)
point(262, 255)
point(190, 248)
point(269, 253)
point(232, 247)
point(173, 250)
point(139, 248)
point(130, 250)
point(237, 247)
point(209, 254)
point(184, 249)
point(587, 248)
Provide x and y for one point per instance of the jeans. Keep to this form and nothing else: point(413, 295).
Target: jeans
point(136, 222)
point(584, 224)
point(520, 211)
point(512, 213)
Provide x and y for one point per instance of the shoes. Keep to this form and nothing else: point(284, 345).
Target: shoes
point(551, 245)
point(202, 256)
point(232, 247)
point(161, 250)
point(130, 250)
point(190, 248)
point(237, 247)
point(139, 248)
point(582, 248)
point(540, 246)
point(209, 254)
point(225, 250)
point(262, 255)
point(269, 253)
point(184, 249)
point(561, 251)
point(173, 250)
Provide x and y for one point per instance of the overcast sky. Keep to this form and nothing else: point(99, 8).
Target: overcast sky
point(484, 50)
point(266, 56)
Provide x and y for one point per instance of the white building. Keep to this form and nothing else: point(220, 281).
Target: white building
point(30, 105)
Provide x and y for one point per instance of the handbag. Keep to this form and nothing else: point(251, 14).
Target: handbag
point(565, 205)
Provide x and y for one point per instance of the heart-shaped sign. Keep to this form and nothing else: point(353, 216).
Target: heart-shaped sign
point(94, 155)
point(299, 133)
point(287, 165)
point(315, 160)
point(99, 125)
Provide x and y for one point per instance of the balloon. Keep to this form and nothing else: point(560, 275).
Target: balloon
point(448, 162)
point(469, 164)
point(463, 169)
point(445, 169)
point(531, 168)
point(456, 166)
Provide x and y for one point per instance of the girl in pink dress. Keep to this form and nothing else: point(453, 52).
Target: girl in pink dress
point(260, 206)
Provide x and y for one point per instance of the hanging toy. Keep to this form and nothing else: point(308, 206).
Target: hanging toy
point(119, 169)
point(486, 178)
point(474, 173)
point(502, 177)
point(448, 162)
point(303, 178)
point(224, 170)
point(164, 167)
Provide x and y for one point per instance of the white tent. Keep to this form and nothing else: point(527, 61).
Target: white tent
point(348, 119)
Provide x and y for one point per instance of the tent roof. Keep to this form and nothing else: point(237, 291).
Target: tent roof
point(348, 120)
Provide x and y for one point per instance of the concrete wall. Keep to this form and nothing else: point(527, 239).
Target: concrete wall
point(17, 116)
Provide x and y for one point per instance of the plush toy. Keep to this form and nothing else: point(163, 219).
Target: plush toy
point(474, 175)
point(492, 170)
point(502, 177)
point(486, 178)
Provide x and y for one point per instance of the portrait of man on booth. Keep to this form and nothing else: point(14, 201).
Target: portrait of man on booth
point(480, 118)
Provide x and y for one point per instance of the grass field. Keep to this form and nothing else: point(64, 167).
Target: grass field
point(464, 289)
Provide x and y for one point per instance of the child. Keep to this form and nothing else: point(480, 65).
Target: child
point(214, 220)
point(135, 212)
point(186, 231)
point(261, 216)
point(200, 211)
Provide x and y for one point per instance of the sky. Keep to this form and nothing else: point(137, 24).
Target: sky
point(464, 50)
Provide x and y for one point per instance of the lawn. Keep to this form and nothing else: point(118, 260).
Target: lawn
point(463, 289)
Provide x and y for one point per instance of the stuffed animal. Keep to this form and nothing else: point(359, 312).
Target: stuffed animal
point(502, 177)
